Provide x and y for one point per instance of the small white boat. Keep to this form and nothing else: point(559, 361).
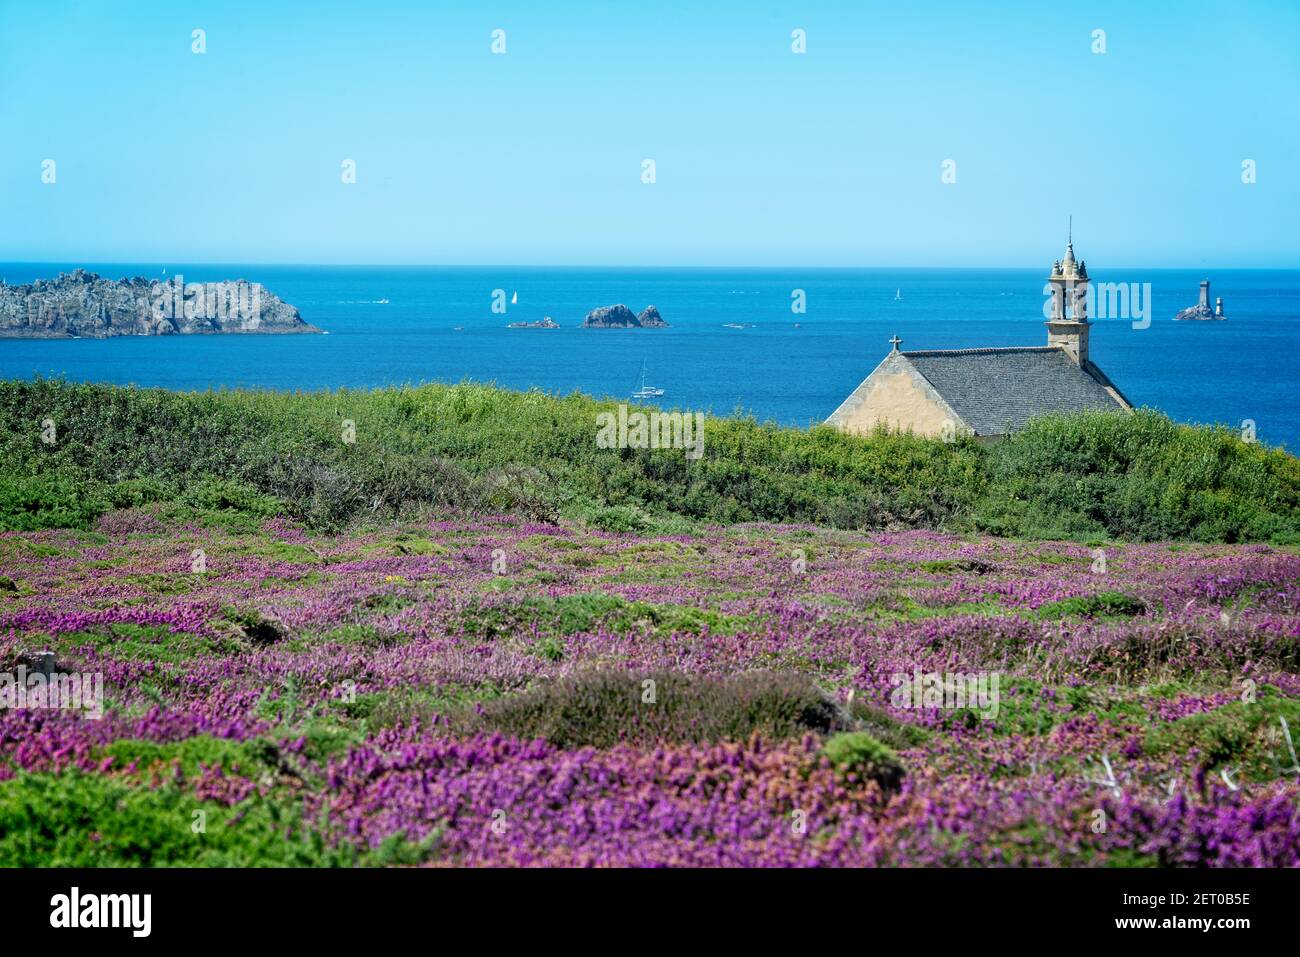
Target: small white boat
point(898, 295)
point(514, 300)
point(646, 391)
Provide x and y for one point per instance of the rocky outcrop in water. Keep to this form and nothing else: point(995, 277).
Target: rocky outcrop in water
point(649, 318)
point(621, 317)
point(82, 304)
point(1202, 309)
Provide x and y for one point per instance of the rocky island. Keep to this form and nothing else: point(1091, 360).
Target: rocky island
point(83, 304)
point(621, 317)
point(546, 322)
point(1202, 309)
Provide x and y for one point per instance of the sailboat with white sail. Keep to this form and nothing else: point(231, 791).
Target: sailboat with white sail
point(646, 391)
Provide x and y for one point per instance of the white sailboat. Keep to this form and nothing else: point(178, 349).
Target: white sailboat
point(898, 295)
point(514, 300)
point(646, 391)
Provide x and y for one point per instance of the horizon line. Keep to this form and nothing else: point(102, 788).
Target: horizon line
point(382, 265)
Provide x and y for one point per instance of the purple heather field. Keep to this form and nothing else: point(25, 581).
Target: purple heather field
point(424, 693)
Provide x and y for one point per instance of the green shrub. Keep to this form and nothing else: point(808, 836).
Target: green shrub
point(1107, 604)
point(85, 820)
point(225, 495)
point(860, 756)
point(604, 707)
point(134, 493)
point(28, 503)
point(618, 518)
point(1139, 477)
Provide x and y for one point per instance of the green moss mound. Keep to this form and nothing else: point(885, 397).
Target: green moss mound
point(858, 755)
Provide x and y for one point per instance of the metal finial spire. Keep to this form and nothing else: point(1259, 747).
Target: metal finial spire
point(1069, 236)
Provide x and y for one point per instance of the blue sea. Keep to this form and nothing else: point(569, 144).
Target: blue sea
point(392, 325)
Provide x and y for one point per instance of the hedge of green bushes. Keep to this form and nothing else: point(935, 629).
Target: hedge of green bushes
point(251, 454)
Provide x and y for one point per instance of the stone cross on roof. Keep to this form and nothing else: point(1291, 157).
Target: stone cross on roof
point(896, 342)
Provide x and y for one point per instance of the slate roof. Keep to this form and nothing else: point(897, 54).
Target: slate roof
point(999, 390)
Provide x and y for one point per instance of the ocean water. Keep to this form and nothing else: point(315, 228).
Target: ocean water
point(437, 325)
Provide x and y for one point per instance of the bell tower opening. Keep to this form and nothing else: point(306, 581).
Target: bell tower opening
point(1068, 326)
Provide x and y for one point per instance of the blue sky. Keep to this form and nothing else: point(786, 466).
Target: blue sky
point(763, 157)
